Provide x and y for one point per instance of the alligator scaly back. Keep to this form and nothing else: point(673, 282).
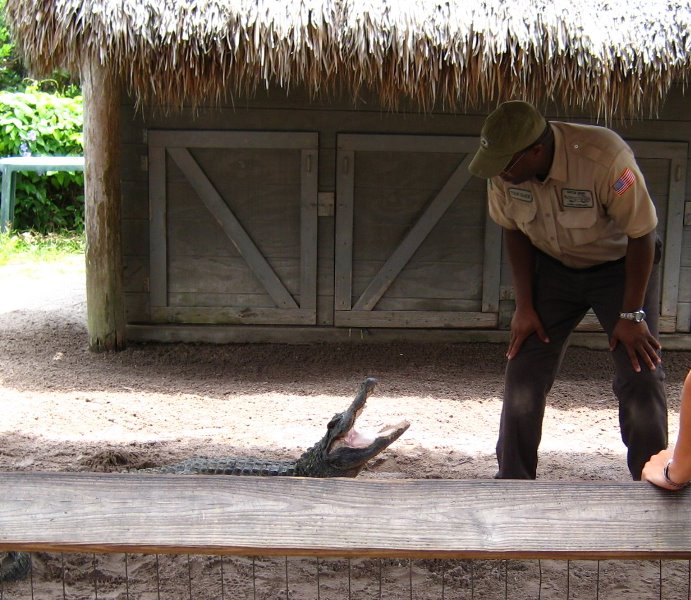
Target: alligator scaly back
point(342, 452)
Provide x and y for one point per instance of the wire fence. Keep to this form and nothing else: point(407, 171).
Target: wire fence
point(78, 576)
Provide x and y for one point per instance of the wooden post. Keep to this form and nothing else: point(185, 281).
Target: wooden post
point(104, 289)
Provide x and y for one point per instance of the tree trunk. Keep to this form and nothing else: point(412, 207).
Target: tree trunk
point(104, 292)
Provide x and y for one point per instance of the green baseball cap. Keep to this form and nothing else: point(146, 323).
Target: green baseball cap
point(512, 127)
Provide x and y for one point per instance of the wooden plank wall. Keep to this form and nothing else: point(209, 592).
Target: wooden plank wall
point(293, 516)
point(328, 122)
point(274, 112)
point(409, 226)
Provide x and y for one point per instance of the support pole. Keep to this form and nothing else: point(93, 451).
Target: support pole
point(104, 289)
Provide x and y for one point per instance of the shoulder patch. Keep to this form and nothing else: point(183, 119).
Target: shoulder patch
point(625, 181)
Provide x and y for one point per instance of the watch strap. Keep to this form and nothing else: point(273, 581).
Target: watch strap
point(637, 315)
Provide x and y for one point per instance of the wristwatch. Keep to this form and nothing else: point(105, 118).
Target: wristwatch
point(636, 316)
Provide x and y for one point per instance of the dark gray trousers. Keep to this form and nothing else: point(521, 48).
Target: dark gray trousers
point(562, 296)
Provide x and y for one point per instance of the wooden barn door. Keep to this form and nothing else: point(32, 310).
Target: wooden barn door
point(233, 229)
point(414, 247)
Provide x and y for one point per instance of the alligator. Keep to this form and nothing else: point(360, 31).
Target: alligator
point(342, 452)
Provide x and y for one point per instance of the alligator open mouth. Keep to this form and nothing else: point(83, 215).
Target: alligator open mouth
point(347, 448)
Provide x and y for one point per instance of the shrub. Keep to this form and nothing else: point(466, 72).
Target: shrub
point(41, 124)
point(12, 71)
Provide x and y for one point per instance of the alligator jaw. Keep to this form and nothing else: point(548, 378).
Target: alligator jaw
point(342, 424)
point(351, 459)
point(343, 452)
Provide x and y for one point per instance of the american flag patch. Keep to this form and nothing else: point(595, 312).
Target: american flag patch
point(625, 181)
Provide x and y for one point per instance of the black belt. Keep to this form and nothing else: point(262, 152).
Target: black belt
point(610, 263)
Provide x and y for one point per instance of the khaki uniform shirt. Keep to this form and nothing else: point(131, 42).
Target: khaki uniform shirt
point(592, 200)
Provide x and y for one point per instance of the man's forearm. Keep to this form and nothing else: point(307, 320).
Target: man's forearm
point(639, 263)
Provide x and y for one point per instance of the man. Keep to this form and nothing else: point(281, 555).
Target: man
point(579, 229)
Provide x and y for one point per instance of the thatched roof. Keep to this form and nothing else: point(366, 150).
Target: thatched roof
point(608, 58)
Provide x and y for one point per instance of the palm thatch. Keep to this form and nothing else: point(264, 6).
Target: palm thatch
point(609, 59)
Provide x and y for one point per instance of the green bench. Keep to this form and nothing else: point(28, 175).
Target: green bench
point(10, 166)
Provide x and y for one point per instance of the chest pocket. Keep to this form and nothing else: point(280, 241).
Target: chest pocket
point(579, 225)
point(523, 213)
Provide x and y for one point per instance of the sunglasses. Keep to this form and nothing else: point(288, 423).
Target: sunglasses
point(507, 169)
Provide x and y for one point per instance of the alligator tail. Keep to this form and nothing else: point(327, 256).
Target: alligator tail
point(14, 565)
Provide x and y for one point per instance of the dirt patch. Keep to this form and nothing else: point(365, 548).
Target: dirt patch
point(67, 409)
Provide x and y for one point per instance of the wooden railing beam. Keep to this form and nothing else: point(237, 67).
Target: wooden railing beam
point(76, 512)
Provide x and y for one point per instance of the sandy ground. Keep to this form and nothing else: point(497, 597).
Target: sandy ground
point(67, 409)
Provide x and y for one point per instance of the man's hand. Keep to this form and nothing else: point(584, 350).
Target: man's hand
point(638, 341)
point(652, 471)
point(524, 323)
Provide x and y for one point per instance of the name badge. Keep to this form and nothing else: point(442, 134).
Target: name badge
point(576, 199)
point(522, 195)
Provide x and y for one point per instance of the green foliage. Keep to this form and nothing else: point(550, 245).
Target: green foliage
point(13, 75)
point(12, 71)
point(34, 122)
point(33, 247)
point(41, 124)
